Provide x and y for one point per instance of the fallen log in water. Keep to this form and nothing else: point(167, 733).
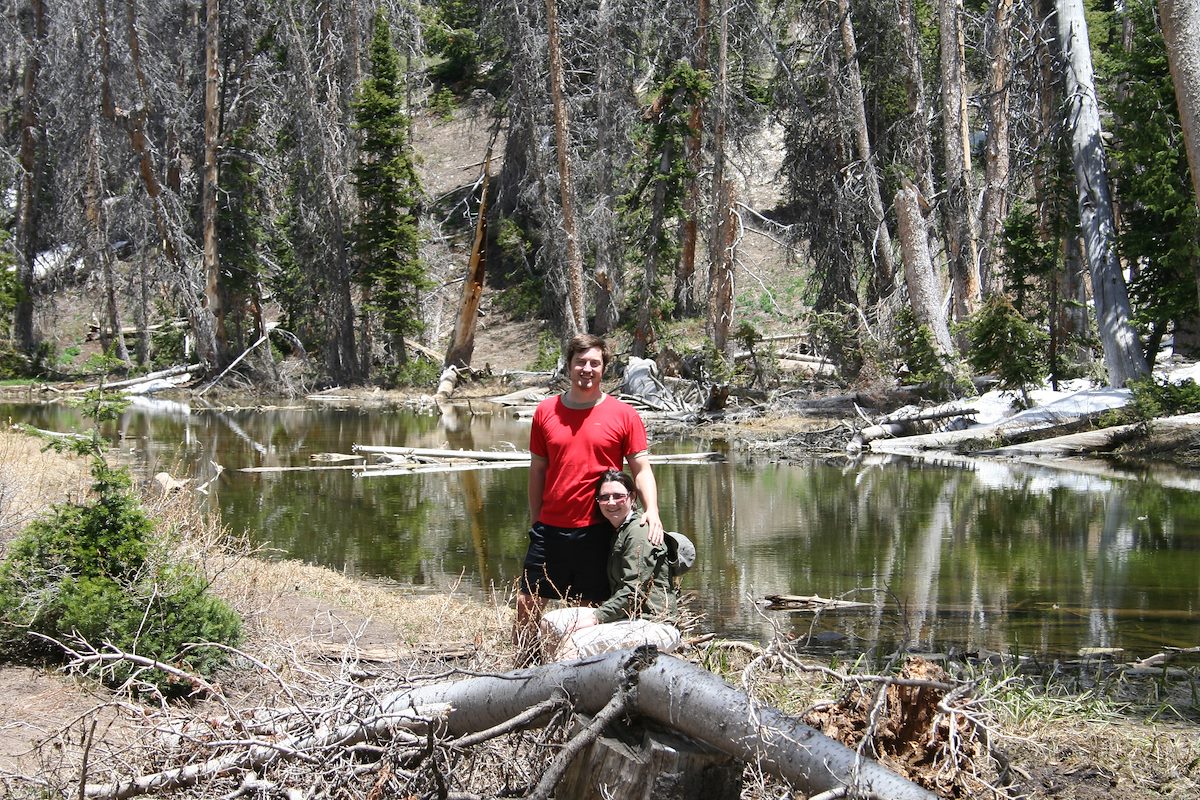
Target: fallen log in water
point(813, 602)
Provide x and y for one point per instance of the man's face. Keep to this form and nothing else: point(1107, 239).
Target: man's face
point(587, 368)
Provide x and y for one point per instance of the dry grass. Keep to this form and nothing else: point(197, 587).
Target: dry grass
point(32, 478)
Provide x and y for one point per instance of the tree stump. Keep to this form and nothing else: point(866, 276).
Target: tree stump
point(639, 761)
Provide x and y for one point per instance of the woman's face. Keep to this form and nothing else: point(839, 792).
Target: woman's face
point(614, 502)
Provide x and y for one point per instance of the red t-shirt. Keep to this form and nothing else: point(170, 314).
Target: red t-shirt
point(579, 445)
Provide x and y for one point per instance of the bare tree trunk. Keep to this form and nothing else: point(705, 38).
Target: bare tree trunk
point(608, 272)
point(996, 160)
point(880, 245)
point(208, 202)
point(961, 225)
point(29, 185)
point(341, 354)
point(577, 313)
point(134, 121)
point(723, 236)
point(918, 109)
point(1122, 353)
point(923, 291)
point(685, 270)
point(98, 246)
point(462, 341)
point(1183, 55)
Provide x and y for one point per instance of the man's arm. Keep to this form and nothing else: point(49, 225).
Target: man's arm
point(537, 485)
point(643, 479)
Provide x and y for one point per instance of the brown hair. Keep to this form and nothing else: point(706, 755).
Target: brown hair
point(586, 341)
point(616, 476)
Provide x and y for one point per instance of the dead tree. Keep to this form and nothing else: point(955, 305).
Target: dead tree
point(576, 316)
point(962, 228)
point(462, 341)
point(1122, 352)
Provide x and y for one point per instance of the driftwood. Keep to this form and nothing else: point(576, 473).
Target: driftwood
point(1081, 408)
point(813, 602)
point(165, 373)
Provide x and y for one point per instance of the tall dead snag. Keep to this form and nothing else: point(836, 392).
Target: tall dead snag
point(134, 121)
point(30, 181)
point(576, 316)
point(1183, 56)
point(923, 291)
point(685, 270)
point(723, 238)
point(918, 107)
point(1122, 353)
point(98, 247)
point(208, 200)
point(608, 273)
point(854, 104)
point(961, 224)
point(462, 342)
point(994, 208)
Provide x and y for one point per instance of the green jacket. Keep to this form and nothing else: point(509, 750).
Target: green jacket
point(638, 577)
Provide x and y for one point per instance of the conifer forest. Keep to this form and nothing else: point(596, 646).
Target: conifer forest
point(956, 183)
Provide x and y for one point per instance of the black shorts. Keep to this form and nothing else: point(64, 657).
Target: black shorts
point(568, 563)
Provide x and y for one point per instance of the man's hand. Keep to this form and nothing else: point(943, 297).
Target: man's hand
point(655, 533)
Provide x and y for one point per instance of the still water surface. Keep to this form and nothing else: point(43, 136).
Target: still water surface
point(971, 556)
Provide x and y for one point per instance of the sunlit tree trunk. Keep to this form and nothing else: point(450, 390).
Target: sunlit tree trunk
point(1122, 352)
point(1178, 17)
point(880, 244)
point(923, 290)
point(996, 158)
point(961, 224)
point(576, 316)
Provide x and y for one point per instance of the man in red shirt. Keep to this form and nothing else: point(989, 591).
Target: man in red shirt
point(576, 437)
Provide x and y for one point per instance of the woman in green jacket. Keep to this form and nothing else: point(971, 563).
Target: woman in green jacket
point(645, 598)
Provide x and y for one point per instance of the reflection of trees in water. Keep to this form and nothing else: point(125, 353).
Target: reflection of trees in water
point(999, 555)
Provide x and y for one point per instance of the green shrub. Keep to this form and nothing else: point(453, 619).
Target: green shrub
point(1153, 398)
point(548, 354)
point(1003, 343)
point(415, 372)
point(97, 571)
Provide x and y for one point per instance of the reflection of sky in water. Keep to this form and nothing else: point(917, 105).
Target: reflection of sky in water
point(951, 553)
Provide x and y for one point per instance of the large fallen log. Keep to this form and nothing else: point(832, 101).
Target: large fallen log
point(676, 694)
point(681, 696)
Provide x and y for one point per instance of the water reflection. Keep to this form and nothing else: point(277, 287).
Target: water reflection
point(969, 555)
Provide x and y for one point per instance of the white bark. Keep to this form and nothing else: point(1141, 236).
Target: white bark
point(923, 291)
point(1122, 352)
point(1183, 55)
point(962, 226)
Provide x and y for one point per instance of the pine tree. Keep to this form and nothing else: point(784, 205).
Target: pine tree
point(386, 235)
